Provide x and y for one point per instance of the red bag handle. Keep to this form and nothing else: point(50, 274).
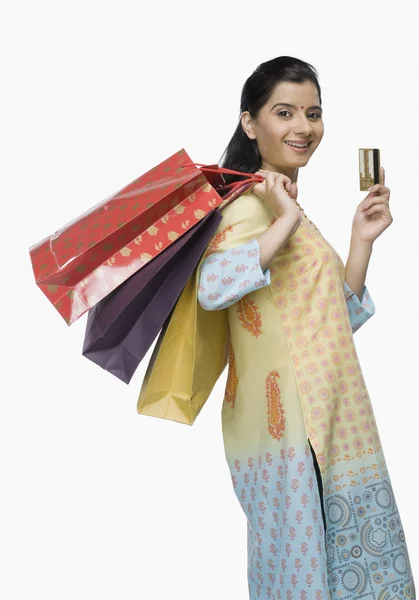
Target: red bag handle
point(251, 177)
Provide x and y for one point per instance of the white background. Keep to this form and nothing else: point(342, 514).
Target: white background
point(98, 502)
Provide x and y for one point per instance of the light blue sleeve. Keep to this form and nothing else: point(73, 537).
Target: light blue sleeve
point(359, 310)
point(227, 276)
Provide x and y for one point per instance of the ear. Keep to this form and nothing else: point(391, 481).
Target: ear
point(247, 124)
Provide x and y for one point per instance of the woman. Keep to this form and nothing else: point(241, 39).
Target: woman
point(300, 436)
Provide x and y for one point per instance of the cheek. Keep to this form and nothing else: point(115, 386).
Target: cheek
point(272, 134)
point(280, 132)
point(320, 131)
point(268, 137)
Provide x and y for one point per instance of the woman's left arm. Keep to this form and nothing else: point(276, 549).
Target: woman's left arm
point(372, 217)
point(357, 265)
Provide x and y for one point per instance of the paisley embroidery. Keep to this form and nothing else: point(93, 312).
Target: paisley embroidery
point(249, 315)
point(232, 379)
point(217, 240)
point(276, 413)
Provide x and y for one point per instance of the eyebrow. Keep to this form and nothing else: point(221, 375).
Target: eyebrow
point(293, 106)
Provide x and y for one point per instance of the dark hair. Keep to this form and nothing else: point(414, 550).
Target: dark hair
point(242, 153)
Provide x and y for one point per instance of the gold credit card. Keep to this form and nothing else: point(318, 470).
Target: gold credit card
point(369, 168)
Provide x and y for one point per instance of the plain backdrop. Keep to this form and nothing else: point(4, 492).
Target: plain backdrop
point(98, 502)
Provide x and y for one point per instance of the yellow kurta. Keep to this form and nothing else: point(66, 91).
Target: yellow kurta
point(294, 376)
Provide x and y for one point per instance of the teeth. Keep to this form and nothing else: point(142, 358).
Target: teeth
point(297, 145)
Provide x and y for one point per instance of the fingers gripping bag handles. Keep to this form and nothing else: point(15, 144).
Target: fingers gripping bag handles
point(193, 347)
point(121, 327)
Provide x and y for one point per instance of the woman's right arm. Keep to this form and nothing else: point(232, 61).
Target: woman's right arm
point(230, 273)
point(275, 237)
point(227, 276)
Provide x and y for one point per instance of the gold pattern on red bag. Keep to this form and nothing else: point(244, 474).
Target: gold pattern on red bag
point(145, 258)
point(249, 315)
point(276, 413)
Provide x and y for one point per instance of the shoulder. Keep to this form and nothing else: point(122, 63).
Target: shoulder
point(245, 218)
point(251, 206)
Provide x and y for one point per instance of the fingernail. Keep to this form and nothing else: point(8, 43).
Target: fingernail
point(370, 188)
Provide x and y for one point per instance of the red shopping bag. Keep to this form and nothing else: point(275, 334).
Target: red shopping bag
point(95, 253)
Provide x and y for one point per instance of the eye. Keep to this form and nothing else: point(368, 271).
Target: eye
point(287, 111)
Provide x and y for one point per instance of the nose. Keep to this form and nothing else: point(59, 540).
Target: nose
point(305, 127)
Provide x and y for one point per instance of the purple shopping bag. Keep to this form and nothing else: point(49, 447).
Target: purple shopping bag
point(122, 326)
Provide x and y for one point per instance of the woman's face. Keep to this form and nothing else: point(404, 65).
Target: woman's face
point(277, 124)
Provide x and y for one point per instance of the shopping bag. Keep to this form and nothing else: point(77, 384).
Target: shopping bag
point(190, 354)
point(92, 255)
point(121, 327)
point(177, 382)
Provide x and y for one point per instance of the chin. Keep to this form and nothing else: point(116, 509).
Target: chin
point(297, 160)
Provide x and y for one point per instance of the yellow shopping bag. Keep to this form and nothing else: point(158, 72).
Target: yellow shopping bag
point(188, 358)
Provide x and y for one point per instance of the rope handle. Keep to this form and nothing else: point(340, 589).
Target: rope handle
point(233, 194)
point(251, 177)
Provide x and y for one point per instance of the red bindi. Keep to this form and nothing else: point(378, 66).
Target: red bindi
point(302, 107)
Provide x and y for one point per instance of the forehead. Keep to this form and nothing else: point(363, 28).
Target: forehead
point(301, 94)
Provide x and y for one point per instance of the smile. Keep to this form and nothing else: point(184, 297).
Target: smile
point(301, 149)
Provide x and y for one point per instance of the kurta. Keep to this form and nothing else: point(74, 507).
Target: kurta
point(296, 401)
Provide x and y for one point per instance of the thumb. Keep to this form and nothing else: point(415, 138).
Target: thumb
point(293, 190)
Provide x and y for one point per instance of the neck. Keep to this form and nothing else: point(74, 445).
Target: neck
point(290, 172)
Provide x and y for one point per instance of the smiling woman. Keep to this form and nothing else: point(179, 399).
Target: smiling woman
point(299, 431)
point(300, 128)
point(280, 105)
